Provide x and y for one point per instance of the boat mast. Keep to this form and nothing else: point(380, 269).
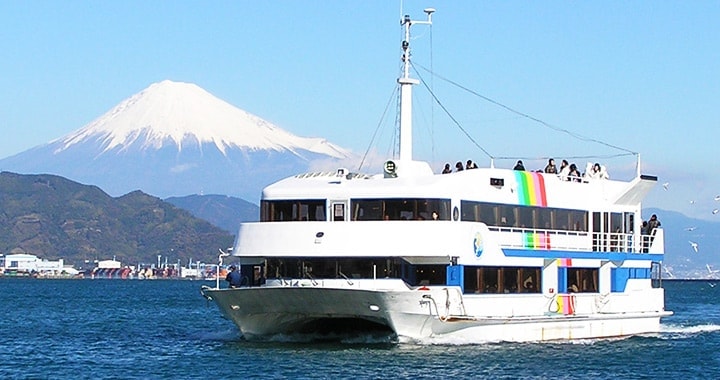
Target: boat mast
point(406, 84)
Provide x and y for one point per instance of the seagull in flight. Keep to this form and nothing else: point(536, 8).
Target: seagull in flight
point(710, 270)
point(667, 270)
point(715, 211)
point(692, 202)
point(690, 228)
point(665, 185)
point(712, 284)
point(717, 197)
point(694, 245)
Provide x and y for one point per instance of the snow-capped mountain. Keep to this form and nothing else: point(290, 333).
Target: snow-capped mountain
point(175, 139)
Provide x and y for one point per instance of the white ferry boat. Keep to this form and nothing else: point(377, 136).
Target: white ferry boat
point(475, 256)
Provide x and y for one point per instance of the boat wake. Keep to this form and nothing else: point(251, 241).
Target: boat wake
point(671, 331)
point(225, 335)
point(455, 341)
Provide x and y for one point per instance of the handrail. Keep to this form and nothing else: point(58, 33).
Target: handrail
point(600, 241)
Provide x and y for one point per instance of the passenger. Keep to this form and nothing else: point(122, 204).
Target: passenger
point(645, 236)
point(234, 278)
point(597, 172)
point(528, 285)
point(470, 165)
point(435, 215)
point(519, 166)
point(564, 171)
point(551, 168)
point(652, 224)
point(574, 174)
point(458, 166)
point(447, 169)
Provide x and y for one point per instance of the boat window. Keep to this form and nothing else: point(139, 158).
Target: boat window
point(582, 280)
point(502, 279)
point(525, 217)
point(544, 218)
point(617, 224)
point(479, 212)
point(400, 209)
point(356, 268)
point(292, 210)
point(338, 212)
point(578, 220)
point(503, 215)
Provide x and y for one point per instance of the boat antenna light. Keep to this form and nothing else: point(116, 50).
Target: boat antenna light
point(429, 12)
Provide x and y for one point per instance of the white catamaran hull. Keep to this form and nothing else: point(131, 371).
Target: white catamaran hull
point(437, 313)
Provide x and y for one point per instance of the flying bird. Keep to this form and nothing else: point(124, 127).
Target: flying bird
point(717, 197)
point(665, 185)
point(667, 270)
point(692, 202)
point(710, 270)
point(694, 245)
point(712, 284)
point(690, 228)
point(715, 211)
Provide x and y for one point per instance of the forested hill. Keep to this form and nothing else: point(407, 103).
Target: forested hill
point(53, 217)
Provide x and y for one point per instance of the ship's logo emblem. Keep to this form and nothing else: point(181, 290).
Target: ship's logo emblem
point(478, 244)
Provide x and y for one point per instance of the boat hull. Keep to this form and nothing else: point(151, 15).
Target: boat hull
point(428, 313)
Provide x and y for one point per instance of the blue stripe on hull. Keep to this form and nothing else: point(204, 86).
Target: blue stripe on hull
point(554, 254)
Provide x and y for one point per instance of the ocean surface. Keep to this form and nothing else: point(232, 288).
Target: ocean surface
point(164, 329)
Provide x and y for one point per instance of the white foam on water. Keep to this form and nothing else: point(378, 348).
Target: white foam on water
point(229, 334)
point(671, 331)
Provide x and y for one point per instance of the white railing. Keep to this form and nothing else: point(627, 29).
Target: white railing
point(515, 237)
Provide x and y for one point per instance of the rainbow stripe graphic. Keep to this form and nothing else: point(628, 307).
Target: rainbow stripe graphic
point(564, 263)
point(531, 192)
point(566, 304)
point(536, 240)
point(531, 188)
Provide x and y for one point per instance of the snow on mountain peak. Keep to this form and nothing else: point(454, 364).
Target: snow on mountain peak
point(184, 113)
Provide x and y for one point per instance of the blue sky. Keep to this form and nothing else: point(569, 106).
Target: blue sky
point(641, 75)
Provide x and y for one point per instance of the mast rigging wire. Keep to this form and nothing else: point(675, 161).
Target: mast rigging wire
point(539, 121)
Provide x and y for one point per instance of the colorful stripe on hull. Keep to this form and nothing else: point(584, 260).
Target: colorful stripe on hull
point(537, 240)
point(531, 188)
point(531, 192)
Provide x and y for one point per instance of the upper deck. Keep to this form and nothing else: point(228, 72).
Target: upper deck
point(482, 184)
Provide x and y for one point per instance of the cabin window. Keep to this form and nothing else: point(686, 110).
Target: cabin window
point(528, 217)
point(544, 218)
point(292, 210)
point(501, 280)
point(505, 216)
point(578, 220)
point(582, 280)
point(356, 268)
point(399, 209)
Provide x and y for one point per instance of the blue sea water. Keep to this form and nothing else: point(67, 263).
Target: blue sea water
point(126, 329)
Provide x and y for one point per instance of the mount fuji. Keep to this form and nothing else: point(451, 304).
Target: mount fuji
point(175, 139)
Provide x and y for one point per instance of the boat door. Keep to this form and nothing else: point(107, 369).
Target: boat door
point(338, 211)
